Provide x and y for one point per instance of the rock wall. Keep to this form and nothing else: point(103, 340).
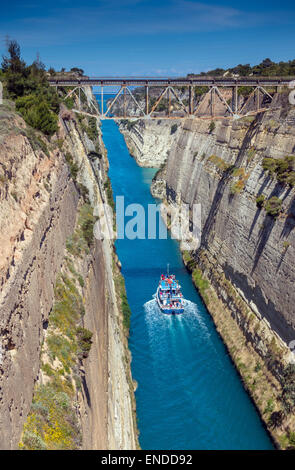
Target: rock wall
point(246, 256)
point(38, 212)
point(255, 250)
point(149, 141)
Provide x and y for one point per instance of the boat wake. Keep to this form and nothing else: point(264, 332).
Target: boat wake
point(191, 318)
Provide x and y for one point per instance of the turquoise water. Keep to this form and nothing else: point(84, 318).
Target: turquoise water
point(189, 395)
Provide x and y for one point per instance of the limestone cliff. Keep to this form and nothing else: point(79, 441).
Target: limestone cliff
point(48, 190)
point(244, 267)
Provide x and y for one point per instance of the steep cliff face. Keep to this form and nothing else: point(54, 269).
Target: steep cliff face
point(41, 206)
point(254, 249)
point(149, 141)
point(246, 256)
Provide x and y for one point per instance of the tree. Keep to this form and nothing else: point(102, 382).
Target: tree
point(77, 70)
point(13, 63)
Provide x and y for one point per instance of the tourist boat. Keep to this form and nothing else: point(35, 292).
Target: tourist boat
point(169, 296)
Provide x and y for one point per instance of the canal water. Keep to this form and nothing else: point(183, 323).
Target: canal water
point(189, 395)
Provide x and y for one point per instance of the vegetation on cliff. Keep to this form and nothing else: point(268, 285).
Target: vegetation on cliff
point(266, 68)
point(53, 419)
point(281, 168)
point(35, 100)
point(237, 324)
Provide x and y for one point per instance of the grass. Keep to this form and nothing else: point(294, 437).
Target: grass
point(201, 283)
point(240, 174)
point(219, 163)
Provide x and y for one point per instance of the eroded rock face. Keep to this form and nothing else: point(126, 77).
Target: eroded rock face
point(38, 212)
point(254, 250)
point(149, 141)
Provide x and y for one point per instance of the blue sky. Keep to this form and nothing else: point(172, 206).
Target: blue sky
point(149, 37)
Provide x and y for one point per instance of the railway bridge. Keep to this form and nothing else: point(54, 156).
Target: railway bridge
point(260, 92)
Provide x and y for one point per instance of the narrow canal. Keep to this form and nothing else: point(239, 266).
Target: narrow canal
point(189, 395)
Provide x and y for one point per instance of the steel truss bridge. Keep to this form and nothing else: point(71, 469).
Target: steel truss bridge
point(169, 87)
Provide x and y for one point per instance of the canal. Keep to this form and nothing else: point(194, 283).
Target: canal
point(189, 395)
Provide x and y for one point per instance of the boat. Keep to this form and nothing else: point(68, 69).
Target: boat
point(169, 296)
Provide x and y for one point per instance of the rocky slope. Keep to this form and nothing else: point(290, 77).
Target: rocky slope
point(43, 197)
point(244, 267)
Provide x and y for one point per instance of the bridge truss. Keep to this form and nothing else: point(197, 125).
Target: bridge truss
point(263, 89)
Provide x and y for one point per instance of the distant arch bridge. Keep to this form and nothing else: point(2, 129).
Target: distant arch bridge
point(216, 92)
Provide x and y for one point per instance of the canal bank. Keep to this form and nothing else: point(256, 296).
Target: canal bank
point(189, 395)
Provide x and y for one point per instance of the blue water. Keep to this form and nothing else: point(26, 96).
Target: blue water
point(189, 395)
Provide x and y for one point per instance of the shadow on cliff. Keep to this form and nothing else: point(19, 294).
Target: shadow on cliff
point(290, 221)
point(250, 134)
point(266, 308)
point(214, 207)
point(267, 224)
point(266, 181)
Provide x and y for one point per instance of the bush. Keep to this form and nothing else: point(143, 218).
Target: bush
point(282, 168)
point(73, 167)
point(32, 441)
point(260, 200)
point(36, 101)
point(109, 193)
point(273, 206)
point(173, 129)
point(84, 340)
point(212, 126)
point(37, 113)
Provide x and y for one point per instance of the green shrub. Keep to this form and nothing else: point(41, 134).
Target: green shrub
point(173, 129)
point(282, 168)
point(212, 126)
point(260, 200)
point(37, 113)
point(121, 290)
point(84, 340)
point(91, 130)
point(109, 193)
point(273, 206)
point(32, 441)
point(73, 167)
point(237, 187)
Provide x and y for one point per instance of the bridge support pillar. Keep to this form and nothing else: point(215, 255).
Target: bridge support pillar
point(191, 99)
point(146, 99)
point(213, 101)
point(258, 98)
point(101, 98)
point(124, 101)
point(235, 99)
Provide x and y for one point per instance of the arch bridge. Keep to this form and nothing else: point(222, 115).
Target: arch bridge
point(181, 91)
